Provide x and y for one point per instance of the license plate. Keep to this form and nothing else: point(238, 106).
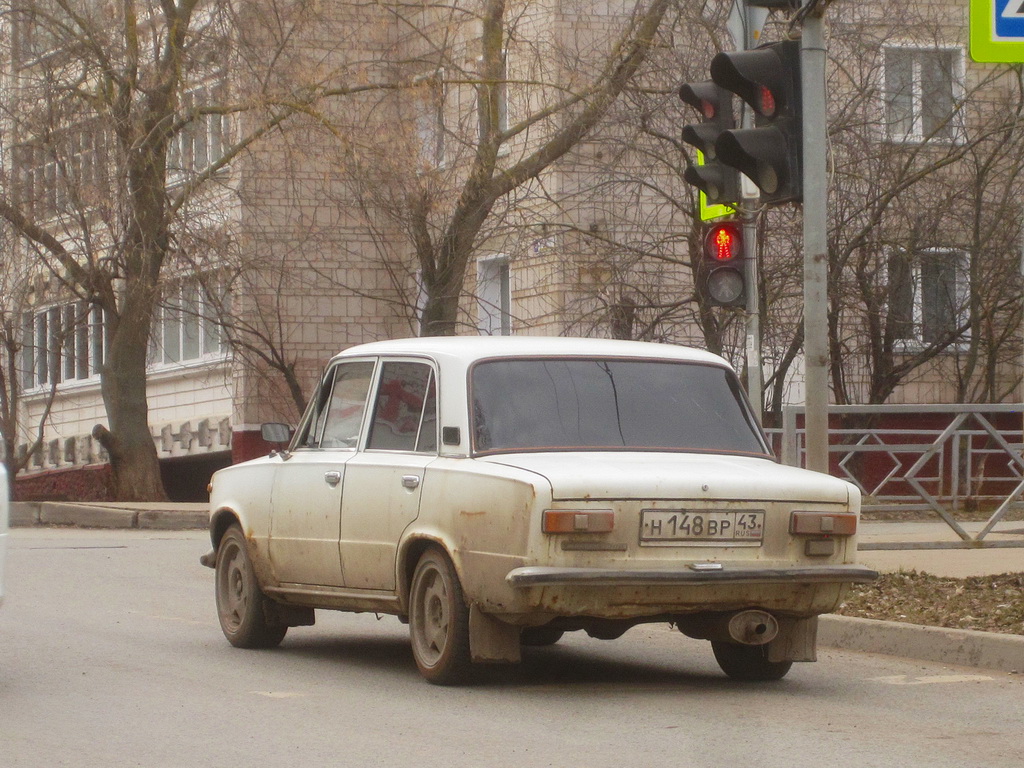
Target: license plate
point(666, 527)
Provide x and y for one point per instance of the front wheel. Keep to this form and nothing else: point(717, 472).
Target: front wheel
point(439, 621)
point(748, 662)
point(240, 601)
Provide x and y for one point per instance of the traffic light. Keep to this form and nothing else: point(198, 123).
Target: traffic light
point(720, 277)
point(770, 153)
point(719, 183)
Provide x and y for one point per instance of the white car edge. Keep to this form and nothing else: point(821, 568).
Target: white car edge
point(4, 522)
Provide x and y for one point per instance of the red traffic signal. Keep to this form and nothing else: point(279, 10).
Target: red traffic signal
point(770, 153)
point(721, 280)
point(723, 242)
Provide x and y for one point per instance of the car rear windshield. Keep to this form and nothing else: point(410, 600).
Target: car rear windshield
point(588, 404)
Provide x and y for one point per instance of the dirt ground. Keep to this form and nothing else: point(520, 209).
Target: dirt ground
point(987, 603)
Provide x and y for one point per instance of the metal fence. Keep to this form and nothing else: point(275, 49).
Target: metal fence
point(946, 459)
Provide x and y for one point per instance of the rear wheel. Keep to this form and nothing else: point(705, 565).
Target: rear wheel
point(241, 604)
point(439, 621)
point(748, 662)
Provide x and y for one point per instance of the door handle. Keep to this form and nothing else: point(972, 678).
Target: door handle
point(332, 478)
point(410, 481)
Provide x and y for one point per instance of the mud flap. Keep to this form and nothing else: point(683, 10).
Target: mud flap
point(288, 615)
point(492, 640)
point(797, 640)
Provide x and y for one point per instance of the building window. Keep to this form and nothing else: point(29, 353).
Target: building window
point(200, 143)
point(61, 343)
point(65, 174)
point(186, 327)
point(929, 295)
point(499, 89)
point(429, 95)
point(36, 30)
point(494, 296)
point(922, 88)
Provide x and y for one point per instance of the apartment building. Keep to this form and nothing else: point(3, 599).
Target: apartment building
point(318, 235)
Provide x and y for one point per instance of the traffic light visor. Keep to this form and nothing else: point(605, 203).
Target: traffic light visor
point(758, 76)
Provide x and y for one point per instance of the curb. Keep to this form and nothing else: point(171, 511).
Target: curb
point(178, 517)
point(958, 647)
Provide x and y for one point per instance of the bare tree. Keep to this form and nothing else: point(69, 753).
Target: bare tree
point(14, 381)
point(497, 93)
point(923, 223)
point(129, 116)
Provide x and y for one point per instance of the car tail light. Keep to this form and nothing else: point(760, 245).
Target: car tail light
point(827, 523)
point(578, 521)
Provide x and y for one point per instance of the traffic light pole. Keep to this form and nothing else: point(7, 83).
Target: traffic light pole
point(753, 311)
point(816, 352)
point(748, 207)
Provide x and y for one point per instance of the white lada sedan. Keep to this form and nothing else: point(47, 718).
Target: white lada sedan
point(496, 492)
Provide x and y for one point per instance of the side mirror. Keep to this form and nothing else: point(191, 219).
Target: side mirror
point(278, 434)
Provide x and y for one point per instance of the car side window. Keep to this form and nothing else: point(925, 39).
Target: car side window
point(405, 412)
point(343, 402)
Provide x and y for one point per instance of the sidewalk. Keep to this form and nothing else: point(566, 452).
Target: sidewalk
point(953, 563)
point(957, 647)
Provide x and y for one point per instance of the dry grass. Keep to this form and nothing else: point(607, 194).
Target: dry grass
point(987, 603)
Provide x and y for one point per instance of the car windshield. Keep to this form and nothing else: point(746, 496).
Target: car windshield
point(573, 404)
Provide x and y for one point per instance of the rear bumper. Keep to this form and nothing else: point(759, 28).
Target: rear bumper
point(547, 576)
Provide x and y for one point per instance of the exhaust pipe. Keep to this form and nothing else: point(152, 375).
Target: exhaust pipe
point(753, 627)
point(750, 627)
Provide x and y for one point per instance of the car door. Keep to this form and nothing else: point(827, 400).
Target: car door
point(383, 482)
point(308, 486)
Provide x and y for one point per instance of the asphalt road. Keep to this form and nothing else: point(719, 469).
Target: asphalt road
point(110, 655)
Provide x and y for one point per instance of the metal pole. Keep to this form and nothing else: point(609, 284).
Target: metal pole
point(753, 330)
point(753, 21)
point(816, 354)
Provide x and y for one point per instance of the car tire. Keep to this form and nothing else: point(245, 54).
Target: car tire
point(748, 662)
point(241, 604)
point(537, 637)
point(439, 621)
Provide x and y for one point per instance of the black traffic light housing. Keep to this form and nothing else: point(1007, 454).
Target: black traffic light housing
point(719, 183)
point(721, 278)
point(771, 153)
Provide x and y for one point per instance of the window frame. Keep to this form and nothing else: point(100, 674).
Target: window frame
point(214, 128)
point(494, 313)
point(430, 123)
point(62, 344)
point(916, 274)
point(503, 102)
point(953, 125)
point(431, 387)
point(310, 423)
point(172, 317)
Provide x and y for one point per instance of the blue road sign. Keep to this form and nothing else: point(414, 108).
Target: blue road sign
point(1009, 19)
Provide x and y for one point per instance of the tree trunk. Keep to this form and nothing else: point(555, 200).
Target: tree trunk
point(135, 466)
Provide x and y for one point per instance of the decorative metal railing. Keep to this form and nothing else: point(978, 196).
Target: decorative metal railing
point(946, 459)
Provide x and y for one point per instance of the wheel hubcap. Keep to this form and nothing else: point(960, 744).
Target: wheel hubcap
point(233, 589)
point(433, 616)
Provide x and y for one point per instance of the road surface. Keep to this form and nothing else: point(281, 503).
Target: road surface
point(110, 655)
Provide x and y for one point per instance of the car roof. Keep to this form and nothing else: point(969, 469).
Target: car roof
point(470, 348)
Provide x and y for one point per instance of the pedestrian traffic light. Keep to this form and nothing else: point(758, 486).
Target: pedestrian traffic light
point(720, 278)
point(719, 183)
point(770, 154)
